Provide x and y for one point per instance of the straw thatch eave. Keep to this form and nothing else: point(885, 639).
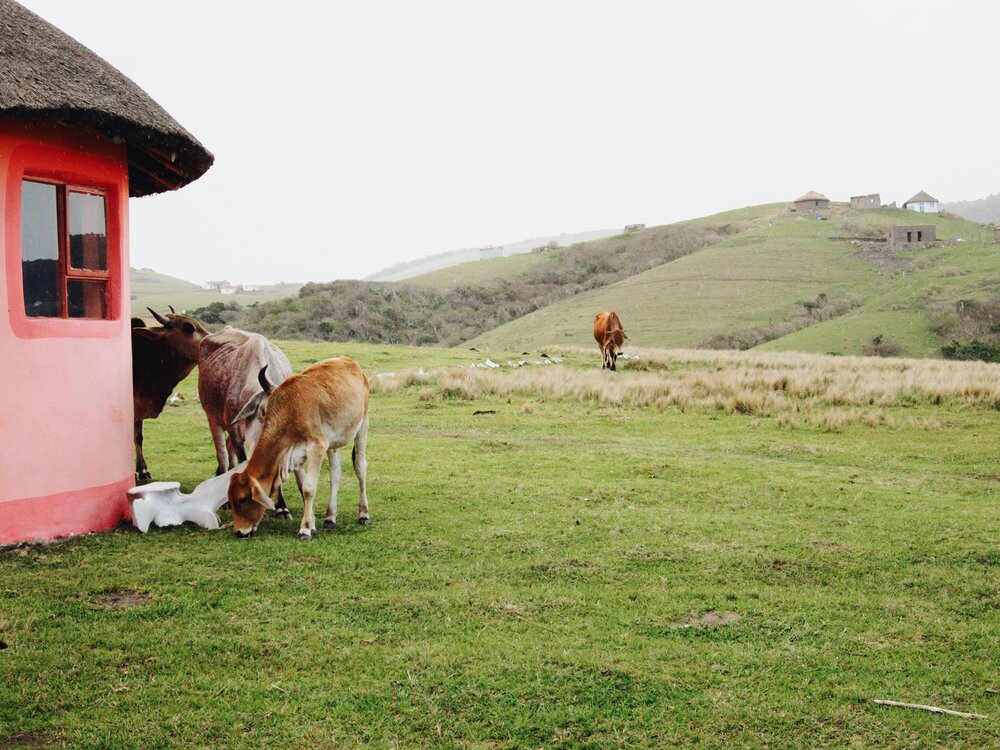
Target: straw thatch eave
point(46, 75)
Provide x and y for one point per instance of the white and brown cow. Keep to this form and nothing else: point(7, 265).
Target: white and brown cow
point(309, 415)
point(228, 365)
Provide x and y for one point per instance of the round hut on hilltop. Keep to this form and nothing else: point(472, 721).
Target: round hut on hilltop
point(811, 201)
point(77, 138)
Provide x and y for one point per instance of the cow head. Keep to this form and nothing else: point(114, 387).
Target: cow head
point(183, 333)
point(250, 419)
point(248, 502)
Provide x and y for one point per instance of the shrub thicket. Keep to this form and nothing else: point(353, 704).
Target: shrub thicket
point(880, 346)
point(972, 329)
point(804, 314)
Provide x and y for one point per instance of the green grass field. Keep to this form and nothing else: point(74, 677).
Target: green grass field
point(578, 568)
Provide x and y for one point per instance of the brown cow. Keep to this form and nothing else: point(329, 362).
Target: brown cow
point(315, 412)
point(162, 357)
point(610, 336)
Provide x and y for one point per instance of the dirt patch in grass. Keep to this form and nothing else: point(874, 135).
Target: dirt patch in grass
point(115, 598)
point(884, 257)
point(27, 739)
point(710, 618)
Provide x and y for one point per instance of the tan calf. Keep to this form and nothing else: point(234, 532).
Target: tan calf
point(321, 409)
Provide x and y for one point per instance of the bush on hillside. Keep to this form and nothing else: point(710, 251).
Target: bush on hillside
point(971, 350)
point(880, 346)
point(216, 313)
point(804, 314)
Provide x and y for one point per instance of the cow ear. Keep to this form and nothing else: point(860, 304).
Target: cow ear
point(249, 409)
point(259, 496)
point(148, 333)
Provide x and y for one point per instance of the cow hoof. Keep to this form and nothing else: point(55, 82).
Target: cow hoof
point(143, 477)
point(305, 536)
point(329, 524)
point(283, 513)
point(364, 521)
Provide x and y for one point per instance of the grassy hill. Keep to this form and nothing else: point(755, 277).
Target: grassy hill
point(158, 291)
point(470, 256)
point(772, 262)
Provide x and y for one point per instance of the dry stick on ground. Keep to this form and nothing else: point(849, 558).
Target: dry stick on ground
point(932, 709)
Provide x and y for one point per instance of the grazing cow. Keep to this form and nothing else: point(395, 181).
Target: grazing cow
point(161, 358)
point(610, 336)
point(227, 380)
point(315, 412)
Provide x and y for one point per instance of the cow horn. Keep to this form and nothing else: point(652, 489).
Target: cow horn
point(263, 380)
point(165, 322)
point(172, 309)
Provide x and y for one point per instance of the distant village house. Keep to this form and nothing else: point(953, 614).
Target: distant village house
point(913, 235)
point(923, 203)
point(811, 201)
point(866, 201)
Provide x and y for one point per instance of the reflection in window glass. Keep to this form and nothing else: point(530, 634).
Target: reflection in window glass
point(87, 299)
point(40, 249)
point(88, 240)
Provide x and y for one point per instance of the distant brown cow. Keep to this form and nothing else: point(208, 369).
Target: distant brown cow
point(162, 356)
point(610, 335)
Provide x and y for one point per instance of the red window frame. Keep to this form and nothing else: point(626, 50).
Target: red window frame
point(106, 174)
point(67, 272)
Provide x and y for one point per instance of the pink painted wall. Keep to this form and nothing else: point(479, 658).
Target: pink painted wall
point(66, 455)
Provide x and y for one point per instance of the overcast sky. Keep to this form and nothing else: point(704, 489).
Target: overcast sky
point(350, 136)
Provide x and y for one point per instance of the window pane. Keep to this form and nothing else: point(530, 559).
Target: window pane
point(88, 237)
point(87, 299)
point(40, 249)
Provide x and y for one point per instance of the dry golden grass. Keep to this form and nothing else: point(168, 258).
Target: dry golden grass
point(801, 389)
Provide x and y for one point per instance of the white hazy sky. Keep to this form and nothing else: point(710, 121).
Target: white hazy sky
point(350, 136)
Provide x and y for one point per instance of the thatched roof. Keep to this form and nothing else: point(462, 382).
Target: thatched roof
point(47, 75)
point(922, 197)
point(811, 196)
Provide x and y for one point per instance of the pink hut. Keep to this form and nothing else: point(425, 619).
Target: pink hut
point(77, 139)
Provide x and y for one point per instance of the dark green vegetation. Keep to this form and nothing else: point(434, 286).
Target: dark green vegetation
point(972, 328)
point(760, 277)
point(553, 573)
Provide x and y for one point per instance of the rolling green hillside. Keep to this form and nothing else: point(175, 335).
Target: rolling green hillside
point(771, 260)
point(159, 291)
point(478, 271)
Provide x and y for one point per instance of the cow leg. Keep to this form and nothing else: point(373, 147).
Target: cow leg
point(141, 471)
point(280, 508)
point(310, 478)
point(219, 439)
point(331, 510)
point(361, 469)
point(614, 360)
